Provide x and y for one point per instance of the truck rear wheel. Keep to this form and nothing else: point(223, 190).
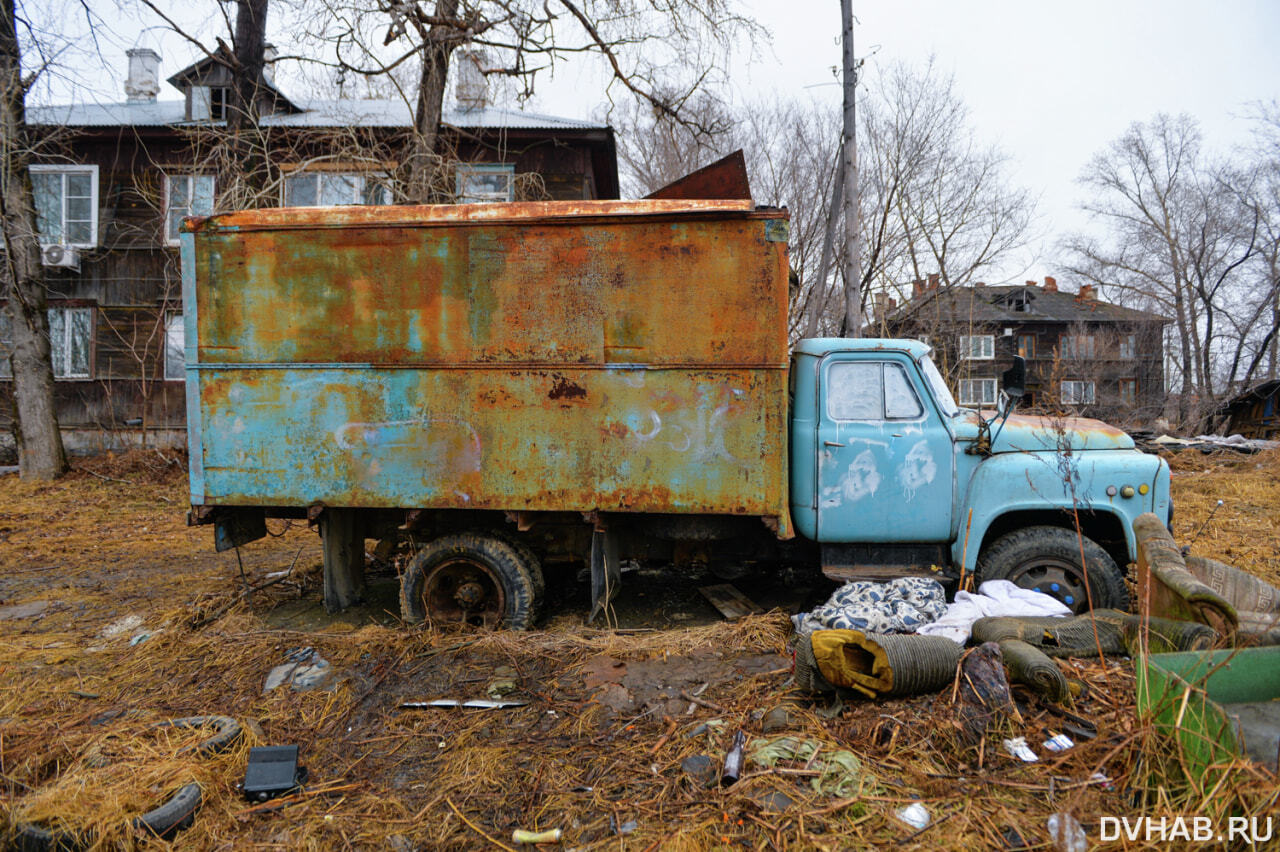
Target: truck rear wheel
point(1047, 559)
point(472, 578)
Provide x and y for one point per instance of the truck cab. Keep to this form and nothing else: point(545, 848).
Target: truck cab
point(890, 477)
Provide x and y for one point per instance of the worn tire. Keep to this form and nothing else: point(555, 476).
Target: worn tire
point(477, 578)
point(1048, 559)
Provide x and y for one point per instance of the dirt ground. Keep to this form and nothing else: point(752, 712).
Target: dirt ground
point(114, 615)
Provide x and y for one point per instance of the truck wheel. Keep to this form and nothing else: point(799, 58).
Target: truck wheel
point(1047, 559)
point(472, 578)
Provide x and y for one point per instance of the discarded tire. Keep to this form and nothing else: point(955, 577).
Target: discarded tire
point(1047, 559)
point(228, 731)
point(480, 579)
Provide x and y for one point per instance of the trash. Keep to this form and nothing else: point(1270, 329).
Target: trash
point(733, 761)
point(123, 624)
point(305, 670)
point(715, 727)
point(1058, 742)
point(777, 719)
point(1067, 834)
point(503, 684)
point(625, 828)
point(984, 691)
point(1018, 748)
point(841, 772)
point(876, 664)
point(700, 769)
point(549, 836)
point(140, 637)
point(914, 815)
point(896, 606)
point(477, 703)
point(272, 771)
point(1103, 781)
point(1029, 665)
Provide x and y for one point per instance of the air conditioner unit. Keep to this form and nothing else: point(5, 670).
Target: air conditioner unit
point(64, 256)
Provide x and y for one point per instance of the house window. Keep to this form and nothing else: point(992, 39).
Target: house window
point(978, 347)
point(331, 189)
point(1129, 391)
point(1027, 346)
point(66, 199)
point(70, 340)
point(185, 195)
point(485, 183)
point(175, 358)
point(1077, 346)
point(1077, 393)
point(977, 391)
point(1128, 346)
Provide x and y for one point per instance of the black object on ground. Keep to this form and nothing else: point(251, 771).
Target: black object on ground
point(272, 771)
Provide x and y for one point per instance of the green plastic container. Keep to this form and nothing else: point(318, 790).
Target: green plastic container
point(1216, 706)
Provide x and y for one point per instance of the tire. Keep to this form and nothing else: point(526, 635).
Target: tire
point(1047, 559)
point(480, 579)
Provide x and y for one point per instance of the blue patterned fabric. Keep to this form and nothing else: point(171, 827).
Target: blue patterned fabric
point(899, 606)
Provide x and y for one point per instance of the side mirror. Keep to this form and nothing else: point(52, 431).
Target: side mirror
point(1014, 380)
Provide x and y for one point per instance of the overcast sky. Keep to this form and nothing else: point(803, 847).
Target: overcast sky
point(1049, 83)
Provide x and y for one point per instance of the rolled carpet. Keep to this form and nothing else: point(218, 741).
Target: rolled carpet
point(877, 664)
point(1029, 665)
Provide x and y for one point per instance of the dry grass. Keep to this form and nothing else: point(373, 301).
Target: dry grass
point(77, 706)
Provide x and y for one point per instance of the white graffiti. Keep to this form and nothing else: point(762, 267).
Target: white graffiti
point(862, 479)
point(918, 469)
point(700, 435)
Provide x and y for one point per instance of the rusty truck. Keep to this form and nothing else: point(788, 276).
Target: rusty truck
point(505, 390)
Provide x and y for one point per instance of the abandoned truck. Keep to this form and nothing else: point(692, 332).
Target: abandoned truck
point(502, 390)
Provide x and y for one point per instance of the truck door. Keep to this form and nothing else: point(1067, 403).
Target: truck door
point(885, 460)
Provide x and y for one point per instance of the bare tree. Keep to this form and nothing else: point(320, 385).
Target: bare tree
point(40, 451)
point(662, 52)
point(1181, 238)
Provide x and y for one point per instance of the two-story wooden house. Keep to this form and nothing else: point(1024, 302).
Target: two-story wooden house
point(1098, 358)
point(110, 204)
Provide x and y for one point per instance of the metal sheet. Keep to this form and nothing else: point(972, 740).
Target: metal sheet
point(577, 356)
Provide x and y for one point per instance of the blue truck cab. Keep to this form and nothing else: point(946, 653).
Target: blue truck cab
point(890, 476)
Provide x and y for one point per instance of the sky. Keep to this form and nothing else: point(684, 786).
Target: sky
point(1049, 83)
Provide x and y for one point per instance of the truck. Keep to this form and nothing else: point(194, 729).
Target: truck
point(498, 391)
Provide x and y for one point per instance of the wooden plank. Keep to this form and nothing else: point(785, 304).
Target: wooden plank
point(732, 603)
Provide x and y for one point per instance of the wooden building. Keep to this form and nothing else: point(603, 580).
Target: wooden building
point(1094, 357)
point(110, 201)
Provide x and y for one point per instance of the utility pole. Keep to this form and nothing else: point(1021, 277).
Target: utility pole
point(849, 191)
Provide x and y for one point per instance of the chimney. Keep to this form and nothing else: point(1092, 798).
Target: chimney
point(269, 54)
point(1050, 284)
point(917, 287)
point(980, 284)
point(1085, 294)
point(472, 90)
point(143, 82)
point(933, 280)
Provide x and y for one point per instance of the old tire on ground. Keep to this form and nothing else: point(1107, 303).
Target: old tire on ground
point(1047, 559)
point(474, 578)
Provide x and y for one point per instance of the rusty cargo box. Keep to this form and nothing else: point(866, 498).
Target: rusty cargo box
point(616, 356)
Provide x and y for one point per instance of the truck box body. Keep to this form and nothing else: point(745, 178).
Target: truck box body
point(550, 356)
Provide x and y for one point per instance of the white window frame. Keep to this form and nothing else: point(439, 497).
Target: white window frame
point(65, 171)
point(360, 182)
point(175, 356)
point(466, 170)
point(1078, 392)
point(982, 398)
point(170, 233)
point(985, 346)
point(1073, 346)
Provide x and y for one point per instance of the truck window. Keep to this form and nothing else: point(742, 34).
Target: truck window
point(871, 390)
point(938, 387)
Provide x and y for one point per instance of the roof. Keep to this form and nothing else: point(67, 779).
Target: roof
point(824, 345)
point(1257, 393)
point(996, 305)
point(319, 113)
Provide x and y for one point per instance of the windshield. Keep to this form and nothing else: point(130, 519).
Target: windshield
point(938, 386)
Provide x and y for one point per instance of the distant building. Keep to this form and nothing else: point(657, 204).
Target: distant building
point(1101, 359)
point(110, 203)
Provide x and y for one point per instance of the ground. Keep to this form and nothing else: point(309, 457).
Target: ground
point(115, 615)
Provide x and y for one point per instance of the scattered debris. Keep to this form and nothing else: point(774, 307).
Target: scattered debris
point(700, 768)
point(272, 772)
point(915, 815)
point(732, 603)
point(122, 625)
point(779, 718)
point(1018, 748)
point(733, 761)
point(984, 692)
point(306, 670)
point(1067, 833)
point(836, 772)
point(1058, 742)
point(552, 835)
point(476, 703)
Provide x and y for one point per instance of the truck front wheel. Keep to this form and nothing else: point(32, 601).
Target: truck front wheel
point(472, 578)
point(1047, 559)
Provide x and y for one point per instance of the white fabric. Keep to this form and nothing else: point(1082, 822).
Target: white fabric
point(995, 597)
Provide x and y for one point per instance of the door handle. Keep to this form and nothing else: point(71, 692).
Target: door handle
point(833, 443)
point(897, 435)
